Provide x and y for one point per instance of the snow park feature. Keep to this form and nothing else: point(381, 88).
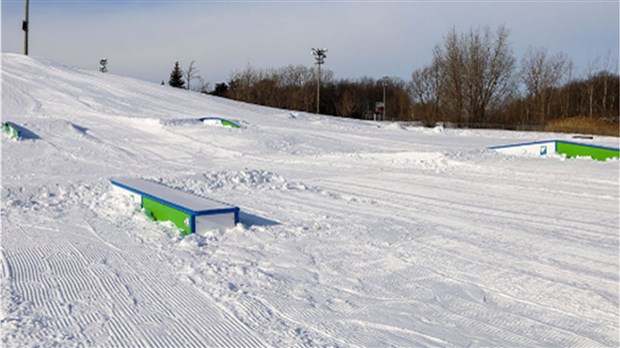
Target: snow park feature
point(14, 131)
point(10, 130)
point(597, 152)
point(188, 212)
point(219, 121)
point(568, 148)
point(375, 236)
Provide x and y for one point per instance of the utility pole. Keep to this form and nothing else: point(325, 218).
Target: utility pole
point(25, 28)
point(384, 83)
point(319, 55)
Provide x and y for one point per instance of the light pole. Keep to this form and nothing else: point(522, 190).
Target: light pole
point(319, 55)
point(384, 83)
point(25, 24)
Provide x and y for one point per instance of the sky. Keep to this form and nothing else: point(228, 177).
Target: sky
point(143, 39)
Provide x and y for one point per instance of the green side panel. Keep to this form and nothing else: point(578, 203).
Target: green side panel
point(574, 150)
point(12, 132)
point(149, 214)
point(229, 124)
point(162, 212)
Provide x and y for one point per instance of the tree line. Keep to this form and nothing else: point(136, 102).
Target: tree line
point(473, 80)
point(294, 87)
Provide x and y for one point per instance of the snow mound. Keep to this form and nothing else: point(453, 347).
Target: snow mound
point(180, 122)
point(395, 126)
point(247, 180)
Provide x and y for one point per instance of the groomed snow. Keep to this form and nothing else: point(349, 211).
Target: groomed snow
point(352, 233)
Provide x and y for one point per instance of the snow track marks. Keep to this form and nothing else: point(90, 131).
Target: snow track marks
point(94, 294)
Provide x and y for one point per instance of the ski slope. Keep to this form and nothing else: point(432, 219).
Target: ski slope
point(352, 233)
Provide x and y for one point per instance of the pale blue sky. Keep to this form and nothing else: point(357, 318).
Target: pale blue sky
point(371, 38)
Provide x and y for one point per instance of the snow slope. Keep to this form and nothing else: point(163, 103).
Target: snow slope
point(352, 233)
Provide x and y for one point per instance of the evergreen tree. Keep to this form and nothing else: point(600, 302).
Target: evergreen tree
point(104, 65)
point(220, 89)
point(176, 77)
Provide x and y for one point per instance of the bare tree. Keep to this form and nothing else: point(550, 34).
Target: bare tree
point(449, 59)
point(565, 106)
point(242, 82)
point(421, 86)
point(477, 72)
point(191, 73)
point(607, 67)
point(299, 81)
point(425, 89)
point(203, 85)
point(398, 100)
point(345, 105)
point(542, 75)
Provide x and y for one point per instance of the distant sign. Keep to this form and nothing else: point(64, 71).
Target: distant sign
point(379, 106)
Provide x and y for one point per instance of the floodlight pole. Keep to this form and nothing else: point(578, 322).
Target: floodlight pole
point(384, 83)
point(25, 25)
point(319, 55)
point(318, 86)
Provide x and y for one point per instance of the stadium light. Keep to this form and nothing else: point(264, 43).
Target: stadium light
point(319, 56)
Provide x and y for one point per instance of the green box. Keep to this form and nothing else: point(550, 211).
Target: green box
point(162, 212)
point(596, 152)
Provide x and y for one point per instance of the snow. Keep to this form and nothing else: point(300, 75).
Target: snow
point(352, 233)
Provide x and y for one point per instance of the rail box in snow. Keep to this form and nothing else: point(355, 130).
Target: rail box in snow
point(188, 212)
point(11, 130)
point(568, 148)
